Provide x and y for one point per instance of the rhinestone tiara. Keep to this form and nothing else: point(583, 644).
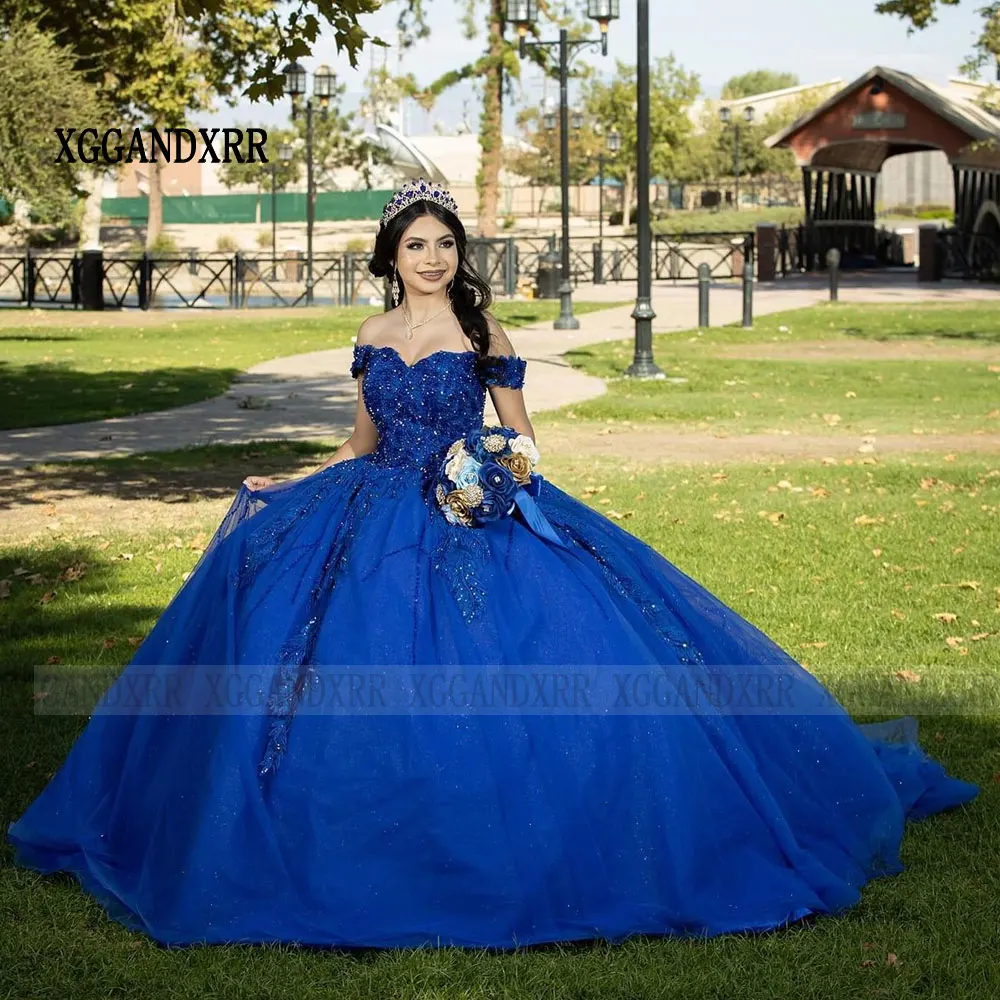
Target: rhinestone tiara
point(416, 190)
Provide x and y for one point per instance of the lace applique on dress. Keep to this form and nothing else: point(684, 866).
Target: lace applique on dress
point(654, 609)
point(505, 371)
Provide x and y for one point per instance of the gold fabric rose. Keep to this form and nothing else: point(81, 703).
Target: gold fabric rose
point(460, 506)
point(519, 466)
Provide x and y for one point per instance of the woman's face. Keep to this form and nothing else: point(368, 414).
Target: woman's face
point(427, 258)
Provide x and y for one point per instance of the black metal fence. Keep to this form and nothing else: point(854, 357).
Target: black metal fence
point(967, 255)
point(97, 280)
point(861, 244)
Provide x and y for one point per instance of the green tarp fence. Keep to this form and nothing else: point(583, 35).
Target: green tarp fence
point(331, 206)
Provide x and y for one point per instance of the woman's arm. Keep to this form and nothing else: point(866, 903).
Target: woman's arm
point(509, 403)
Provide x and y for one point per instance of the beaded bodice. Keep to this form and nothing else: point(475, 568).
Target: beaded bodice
point(420, 409)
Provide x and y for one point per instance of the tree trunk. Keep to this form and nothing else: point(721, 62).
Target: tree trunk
point(491, 130)
point(154, 224)
point(628, 196)
point(90, 227)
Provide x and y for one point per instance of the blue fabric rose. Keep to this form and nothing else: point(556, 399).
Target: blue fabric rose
point(499, 479)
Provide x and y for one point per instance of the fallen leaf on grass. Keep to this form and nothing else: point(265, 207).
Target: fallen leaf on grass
point(103, 546)
point(135, 640)
point(907, 676)
point(945, 616)
point(108, 644)
point(898, 615)
point(39, 695)
point(892, 959)
point(127, 556)
point(46, 598)
point(53, 660)
point(813, 645)
point(954, 641)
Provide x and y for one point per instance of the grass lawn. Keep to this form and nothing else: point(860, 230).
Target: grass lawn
point(846, 565)
point(814, 395)
point(64, 367)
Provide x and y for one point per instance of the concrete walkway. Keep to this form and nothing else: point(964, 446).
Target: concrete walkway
point(312, 396)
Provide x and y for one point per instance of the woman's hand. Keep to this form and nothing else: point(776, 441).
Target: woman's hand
point(258, 482)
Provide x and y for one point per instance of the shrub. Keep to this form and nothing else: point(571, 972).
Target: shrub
point(226, 244)
point(264, 239)
point(164, 243)
point(357, 244)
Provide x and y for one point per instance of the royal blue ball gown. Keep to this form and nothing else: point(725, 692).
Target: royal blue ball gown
point(462, 819)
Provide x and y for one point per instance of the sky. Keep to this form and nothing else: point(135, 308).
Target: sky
point(815, 39)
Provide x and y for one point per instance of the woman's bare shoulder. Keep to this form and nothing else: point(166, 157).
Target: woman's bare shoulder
point(374, 328)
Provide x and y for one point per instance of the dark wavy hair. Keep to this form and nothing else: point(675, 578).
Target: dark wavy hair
point(470, 294)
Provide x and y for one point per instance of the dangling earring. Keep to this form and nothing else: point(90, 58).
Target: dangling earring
point(395, 287)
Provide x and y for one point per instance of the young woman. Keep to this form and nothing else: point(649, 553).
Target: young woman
point(403, 716)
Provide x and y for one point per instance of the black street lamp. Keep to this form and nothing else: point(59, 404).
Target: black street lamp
point(727, 118)
point(643, 365)
point(295, 87)
point(285, 156)
point(524, 14)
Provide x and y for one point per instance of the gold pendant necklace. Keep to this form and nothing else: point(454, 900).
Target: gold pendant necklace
point(410, 327)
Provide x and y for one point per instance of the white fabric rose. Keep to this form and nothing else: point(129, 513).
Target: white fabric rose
point(523, 445)
point(455, 463)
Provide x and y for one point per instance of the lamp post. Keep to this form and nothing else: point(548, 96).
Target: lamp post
point(295, 87)
point(524, 14)
point(727, 117)
point(284, 155)
point(643, 365)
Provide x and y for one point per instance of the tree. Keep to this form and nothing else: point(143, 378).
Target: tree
point(154, 64)
point(613, 105)
point(922, 13)
point(540, 163)
point(40, 91)
point(336, 144)
point(498, 67)
point(757, 81)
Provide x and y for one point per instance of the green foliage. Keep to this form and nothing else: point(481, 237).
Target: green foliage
point(40, 91)
point(612, 107)
point(234, 173)
point(541, 162)
point(708, 155)
point(164, 243)
point(757, 81)
point(726, 220)
point(923, 13)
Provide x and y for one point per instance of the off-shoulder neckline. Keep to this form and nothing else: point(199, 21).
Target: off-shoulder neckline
point(427, 357)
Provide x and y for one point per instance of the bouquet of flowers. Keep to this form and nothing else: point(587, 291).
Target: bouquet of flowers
point(482, 474)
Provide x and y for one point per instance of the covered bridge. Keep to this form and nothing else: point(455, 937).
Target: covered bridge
point(842, 145)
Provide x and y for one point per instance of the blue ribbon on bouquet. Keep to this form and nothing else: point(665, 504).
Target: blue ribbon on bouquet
point(524, 500)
